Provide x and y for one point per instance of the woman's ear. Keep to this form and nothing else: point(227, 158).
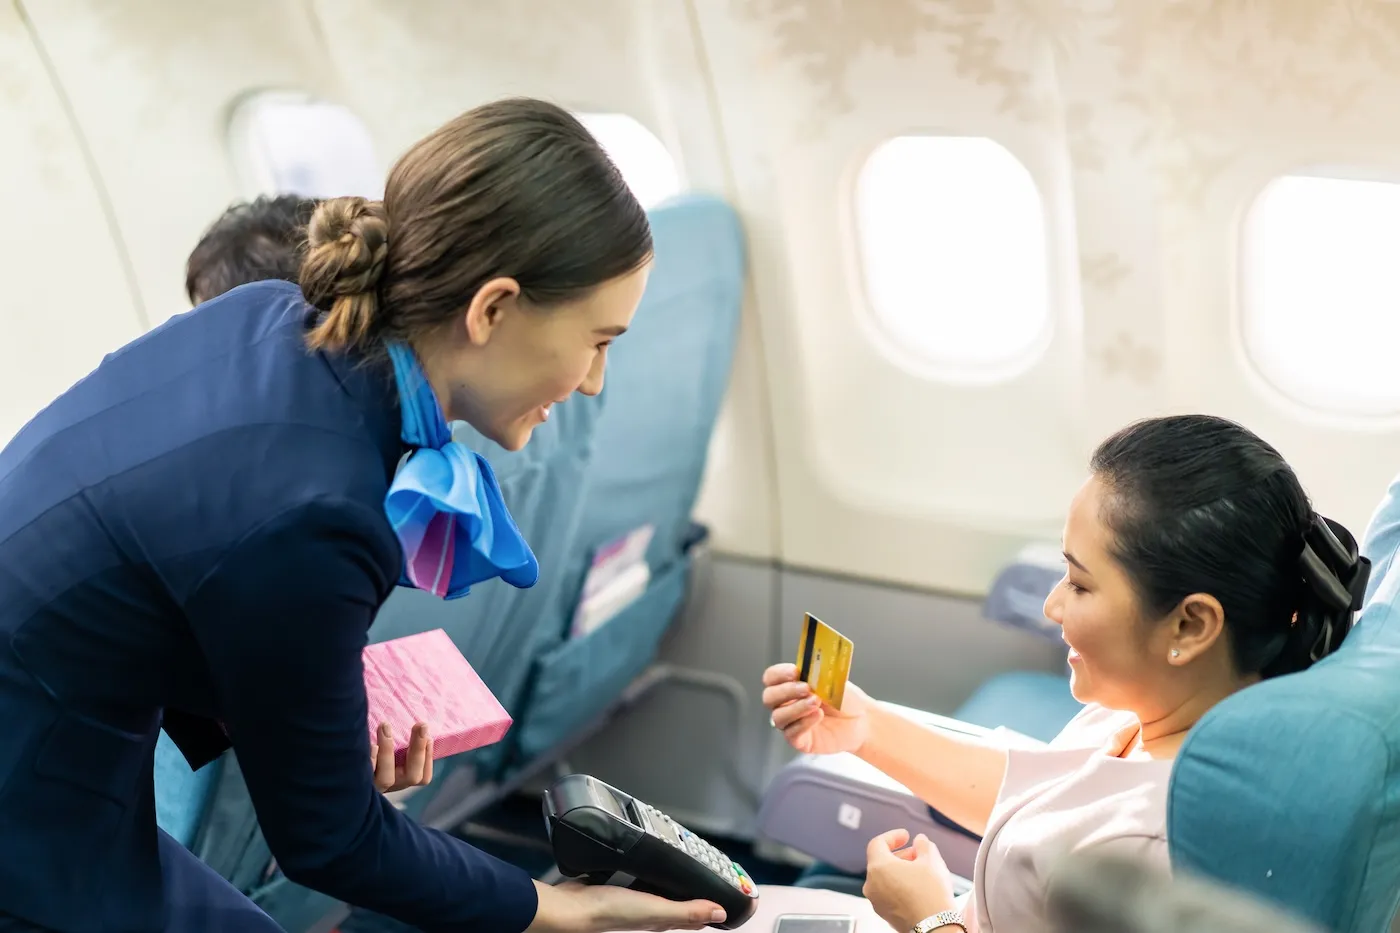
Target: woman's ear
point(487, 306)
point(1198, 623)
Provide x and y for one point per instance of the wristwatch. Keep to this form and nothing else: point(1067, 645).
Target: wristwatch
point(947, 918)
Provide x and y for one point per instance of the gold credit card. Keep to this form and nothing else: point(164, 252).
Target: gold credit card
point(824, 659)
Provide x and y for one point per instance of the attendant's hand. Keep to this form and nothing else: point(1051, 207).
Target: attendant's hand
point(908, 885)
point(810, 725)
point(417, 769)
point(573, 907)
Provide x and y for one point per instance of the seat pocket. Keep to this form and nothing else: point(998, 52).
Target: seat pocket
point(579, 679)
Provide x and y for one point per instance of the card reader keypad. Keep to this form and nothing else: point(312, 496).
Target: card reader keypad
point(700, 850)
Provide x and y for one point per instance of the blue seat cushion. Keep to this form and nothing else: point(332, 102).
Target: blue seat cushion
point(1029, 702)
point(182, 793)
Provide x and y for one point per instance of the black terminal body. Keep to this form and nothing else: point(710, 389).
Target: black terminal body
point(602, 835)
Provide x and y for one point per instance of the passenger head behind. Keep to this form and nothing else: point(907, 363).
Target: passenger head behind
point(508, 252)
point(1094, 892)
point(249, 242)
point(1196, 565)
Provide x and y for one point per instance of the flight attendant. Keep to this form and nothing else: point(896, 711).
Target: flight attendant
point(200, 533)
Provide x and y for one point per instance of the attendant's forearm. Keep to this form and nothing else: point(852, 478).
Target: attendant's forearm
point(958, 775)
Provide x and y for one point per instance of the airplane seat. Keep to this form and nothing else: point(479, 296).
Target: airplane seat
point(829, 807)
point(181, 794)
point(499, 628)
point(1290, 789)
point(665, 382)
point(496, 627)
point(1033, 703)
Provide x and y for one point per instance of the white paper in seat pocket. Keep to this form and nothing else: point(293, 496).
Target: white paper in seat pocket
point(620, 592)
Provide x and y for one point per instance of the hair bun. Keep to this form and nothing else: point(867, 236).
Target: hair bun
point(347, 243)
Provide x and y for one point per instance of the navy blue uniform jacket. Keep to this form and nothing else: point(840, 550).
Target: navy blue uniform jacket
point(196, 530)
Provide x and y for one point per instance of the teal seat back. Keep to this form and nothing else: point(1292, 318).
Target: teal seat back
point(498, 628)
point(665, 381)
point(1291, 788)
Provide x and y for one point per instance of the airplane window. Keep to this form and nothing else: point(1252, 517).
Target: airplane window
point(951, 236)
point(1320, 291)
point(642, 158)
point(288, 143)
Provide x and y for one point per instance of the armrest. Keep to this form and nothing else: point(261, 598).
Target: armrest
point(830, 806)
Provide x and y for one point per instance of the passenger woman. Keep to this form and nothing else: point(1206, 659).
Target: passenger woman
point(1194, 567)
point(199, 534)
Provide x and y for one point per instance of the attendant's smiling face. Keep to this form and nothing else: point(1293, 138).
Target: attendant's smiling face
point(507, 362)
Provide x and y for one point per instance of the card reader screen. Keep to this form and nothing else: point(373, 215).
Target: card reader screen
point(665, 829)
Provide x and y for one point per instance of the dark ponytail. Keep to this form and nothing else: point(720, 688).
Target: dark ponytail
point(1199, 504)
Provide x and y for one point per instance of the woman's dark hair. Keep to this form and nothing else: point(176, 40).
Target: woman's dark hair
point(515, 188)
point(1199, 504)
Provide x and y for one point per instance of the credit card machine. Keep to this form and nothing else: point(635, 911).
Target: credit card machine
point(602, 835)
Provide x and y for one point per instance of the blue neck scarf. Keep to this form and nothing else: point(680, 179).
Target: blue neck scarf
point(445, 504)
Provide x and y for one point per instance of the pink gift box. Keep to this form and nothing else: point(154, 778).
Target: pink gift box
point(424, 678)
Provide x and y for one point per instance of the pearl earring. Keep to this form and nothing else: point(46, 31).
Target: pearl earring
point(1176, 653)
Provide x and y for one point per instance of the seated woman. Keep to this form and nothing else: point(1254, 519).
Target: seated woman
point(1195, 566)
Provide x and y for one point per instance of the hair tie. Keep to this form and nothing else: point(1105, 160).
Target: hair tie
point(1335, 572)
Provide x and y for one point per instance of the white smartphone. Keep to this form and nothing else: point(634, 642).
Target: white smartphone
point(815, 923)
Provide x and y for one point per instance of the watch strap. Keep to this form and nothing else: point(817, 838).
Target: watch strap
point(942, 919)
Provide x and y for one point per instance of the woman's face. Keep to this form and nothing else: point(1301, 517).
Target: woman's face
point(1117, 658)
point(510, 361)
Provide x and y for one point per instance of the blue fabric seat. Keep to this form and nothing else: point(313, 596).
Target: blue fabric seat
point(1291, 788)
point(1032, 703)
point(666, 379)
point(183, 793)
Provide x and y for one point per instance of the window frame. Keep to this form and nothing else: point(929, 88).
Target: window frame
point(585, 113)
point(1258, 375)
point(885, 338)
point(253, 173)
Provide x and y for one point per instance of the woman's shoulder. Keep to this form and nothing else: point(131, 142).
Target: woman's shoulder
point(1093, 726)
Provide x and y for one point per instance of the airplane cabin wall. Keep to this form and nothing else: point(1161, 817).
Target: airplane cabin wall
point(152, 86)
point(884, 473)
point(841, 454)
point(68, 298)
point(1149, 129)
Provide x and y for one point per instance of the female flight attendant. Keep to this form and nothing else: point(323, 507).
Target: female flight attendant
point(200, 533)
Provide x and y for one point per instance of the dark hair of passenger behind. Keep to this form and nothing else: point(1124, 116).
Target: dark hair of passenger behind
point(517, 188)
point(1199, 504)
point(251, 241)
